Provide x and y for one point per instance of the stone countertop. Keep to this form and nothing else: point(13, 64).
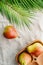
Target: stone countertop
point(10, 47)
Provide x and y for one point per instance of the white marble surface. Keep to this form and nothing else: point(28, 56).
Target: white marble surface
point(9, 48)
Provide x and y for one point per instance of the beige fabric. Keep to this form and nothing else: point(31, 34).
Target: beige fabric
point(9, 48)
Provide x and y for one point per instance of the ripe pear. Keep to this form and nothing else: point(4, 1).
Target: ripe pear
point(25, 58)
point(10, 32)
point(35, 49)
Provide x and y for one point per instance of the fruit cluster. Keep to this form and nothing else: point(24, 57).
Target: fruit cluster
point(34, 50)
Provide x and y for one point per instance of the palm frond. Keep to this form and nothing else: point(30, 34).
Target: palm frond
point(19, 11)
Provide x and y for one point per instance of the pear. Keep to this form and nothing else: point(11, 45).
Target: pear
point(24, 58)
point(35, 49)
point(10, 32)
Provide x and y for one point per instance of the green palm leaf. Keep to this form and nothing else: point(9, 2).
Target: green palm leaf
point(19, 11)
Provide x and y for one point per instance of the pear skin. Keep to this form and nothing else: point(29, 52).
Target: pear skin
point(24, 58)
point(35, 49)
